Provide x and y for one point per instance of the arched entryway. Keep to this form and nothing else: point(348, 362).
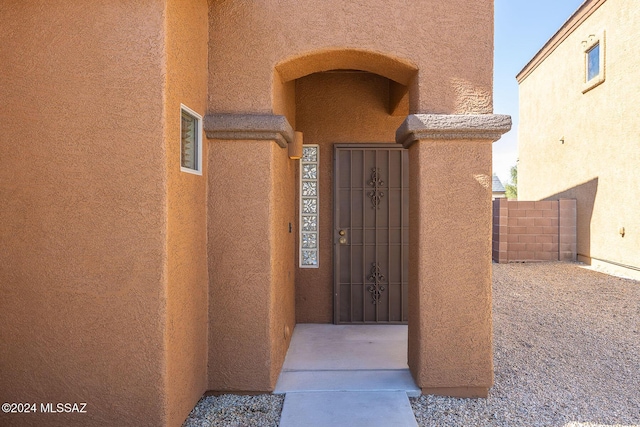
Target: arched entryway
point(336, 97)
point(253, 301)
point(338, 107)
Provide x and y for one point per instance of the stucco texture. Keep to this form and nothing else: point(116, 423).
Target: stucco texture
point(251, 263)
point(336, 107)
point(584, 145)
point(282, 258)
point(134, 287)
point(448, 43)
point(82, 196)
point(187, 270)
point(450, 331)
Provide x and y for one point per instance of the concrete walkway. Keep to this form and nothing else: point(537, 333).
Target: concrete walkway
point(347, 376)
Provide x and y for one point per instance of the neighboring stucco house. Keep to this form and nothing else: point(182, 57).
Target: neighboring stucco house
point(163, 229)
point(497, 189)
point(579, 130)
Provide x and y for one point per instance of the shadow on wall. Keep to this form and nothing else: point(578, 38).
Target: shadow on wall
point(585, 195)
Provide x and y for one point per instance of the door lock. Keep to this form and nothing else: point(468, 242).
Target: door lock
point(342, 232)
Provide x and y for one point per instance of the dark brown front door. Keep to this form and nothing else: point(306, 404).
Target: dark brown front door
point(371, 233)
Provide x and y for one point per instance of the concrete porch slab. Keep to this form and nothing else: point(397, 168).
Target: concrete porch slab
point(347, 347)
point(347, 375)
point(348, 409)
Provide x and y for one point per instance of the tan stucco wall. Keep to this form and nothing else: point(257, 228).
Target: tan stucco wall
point(282, 318)
point(450, 330)
point(187, 27)
point(104, 284)
point(251, 263)
point(335, 108)
point(451, 44)
point(598, 162)
point(82, 196)
point(239, 268)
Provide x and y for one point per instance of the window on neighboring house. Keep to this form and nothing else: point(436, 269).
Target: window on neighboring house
point(594, 58)
point(593, 62)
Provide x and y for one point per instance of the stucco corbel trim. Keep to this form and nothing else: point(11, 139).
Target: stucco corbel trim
point(457, 126)
point(261, 127)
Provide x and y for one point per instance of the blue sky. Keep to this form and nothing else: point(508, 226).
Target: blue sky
point(522, 27)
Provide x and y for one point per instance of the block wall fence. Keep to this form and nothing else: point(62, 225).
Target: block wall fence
point(534, 231)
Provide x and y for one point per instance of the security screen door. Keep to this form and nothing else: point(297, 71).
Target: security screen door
point(371, 233)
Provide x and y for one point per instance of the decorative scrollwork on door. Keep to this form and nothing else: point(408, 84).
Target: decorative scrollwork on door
point(377, 287)
point(375, 195)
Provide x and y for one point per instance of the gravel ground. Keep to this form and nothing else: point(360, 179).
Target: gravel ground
point(566, 354)
point(236, 411)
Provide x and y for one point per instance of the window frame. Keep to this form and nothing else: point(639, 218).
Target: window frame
point(198, 140)
point(588, 45)
point(592, 54)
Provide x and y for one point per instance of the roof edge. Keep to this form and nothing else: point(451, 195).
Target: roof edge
point(579, 16)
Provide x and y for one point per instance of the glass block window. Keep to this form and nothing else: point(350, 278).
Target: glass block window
point(309, 206)
point(190, 141)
